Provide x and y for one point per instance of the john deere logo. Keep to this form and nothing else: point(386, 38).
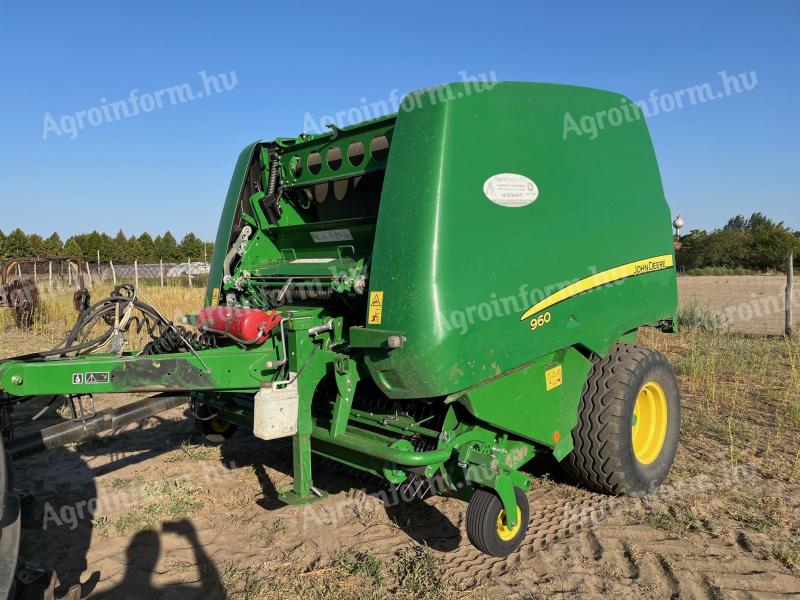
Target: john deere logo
point(650, 266)
point(639, 267)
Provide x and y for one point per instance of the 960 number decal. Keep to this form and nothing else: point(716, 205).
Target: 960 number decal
point(540, 321)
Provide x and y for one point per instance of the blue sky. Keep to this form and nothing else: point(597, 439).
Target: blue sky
point(170, 168)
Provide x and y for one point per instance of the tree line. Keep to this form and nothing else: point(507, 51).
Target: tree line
point(755, 243)
point(120, 248)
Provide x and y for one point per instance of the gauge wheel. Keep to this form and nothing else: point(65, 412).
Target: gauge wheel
point(487, 525)
point(213, 428)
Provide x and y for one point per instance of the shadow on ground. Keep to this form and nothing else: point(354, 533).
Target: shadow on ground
point(67, 478)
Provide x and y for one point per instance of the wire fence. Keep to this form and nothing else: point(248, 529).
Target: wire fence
point(59, 274)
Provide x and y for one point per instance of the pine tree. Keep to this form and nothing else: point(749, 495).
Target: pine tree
point(95, 242)
point(35, 246)
point(72, 248)
point(119, 248)
point(135, 250)
point(53, 246)
point(191, 248)
point(17, 245)
point(148, 248)
point(166, 248)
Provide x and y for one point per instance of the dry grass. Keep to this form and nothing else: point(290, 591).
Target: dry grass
point(169, 499)
point(56, 314)
point(350, 573)
point(741, 409)
point(743, 390)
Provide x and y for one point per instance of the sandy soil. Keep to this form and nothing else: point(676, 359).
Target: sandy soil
point(579, 545)
point(751, 304)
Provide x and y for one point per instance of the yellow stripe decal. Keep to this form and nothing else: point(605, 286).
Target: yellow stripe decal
point(640, 267)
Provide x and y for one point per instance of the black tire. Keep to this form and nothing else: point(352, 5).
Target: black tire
point(213, 429)
point(604, 458)
point(483, 512)
point(23, 297)
point(10, 526)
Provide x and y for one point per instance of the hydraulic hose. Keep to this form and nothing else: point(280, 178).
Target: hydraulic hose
point(165, 336)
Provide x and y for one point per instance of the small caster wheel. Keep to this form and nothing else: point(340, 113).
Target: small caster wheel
point(487, 527)
point(214, 429)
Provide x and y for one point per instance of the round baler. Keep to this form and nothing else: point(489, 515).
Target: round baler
point(436, 297)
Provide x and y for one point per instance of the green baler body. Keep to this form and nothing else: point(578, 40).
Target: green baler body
point(439, 282)
point(457, 271)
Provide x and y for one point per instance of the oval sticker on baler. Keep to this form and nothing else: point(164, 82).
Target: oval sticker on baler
point(510, 190)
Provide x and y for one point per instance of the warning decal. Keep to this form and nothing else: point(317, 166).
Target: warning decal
point(90, 378)
point(97, 378)
point(554, 377)
point(375, 308)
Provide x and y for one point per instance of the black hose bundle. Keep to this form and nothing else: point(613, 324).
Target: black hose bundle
point(123, 313)
point(176, 338)
point(111, 311)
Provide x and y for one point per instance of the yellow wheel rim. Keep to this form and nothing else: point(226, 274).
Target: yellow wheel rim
point(649, 423)
point(219, 426)
point(505, 532)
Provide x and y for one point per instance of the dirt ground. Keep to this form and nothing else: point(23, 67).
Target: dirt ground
point(155, 512)
point(750, 304)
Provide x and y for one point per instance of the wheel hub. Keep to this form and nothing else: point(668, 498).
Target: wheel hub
point(649, 423)
point(505, 532)
point(219, 426)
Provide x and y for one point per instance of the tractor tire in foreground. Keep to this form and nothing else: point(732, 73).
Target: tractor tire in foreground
point(487, 528)
point(9, 526)
point(628, 423)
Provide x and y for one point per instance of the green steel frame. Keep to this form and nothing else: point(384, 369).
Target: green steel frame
point(467, 453)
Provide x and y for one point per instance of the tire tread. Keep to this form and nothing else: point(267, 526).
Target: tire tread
point(597, 460)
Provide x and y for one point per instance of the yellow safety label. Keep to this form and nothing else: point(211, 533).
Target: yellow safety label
point(215, 297)
point(375, 308)
point(554, 377)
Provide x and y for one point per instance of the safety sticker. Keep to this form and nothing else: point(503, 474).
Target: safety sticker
point(375, 308)
point(90, 378)
point(98, 377)
point(215, 297)
point(554, 377)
